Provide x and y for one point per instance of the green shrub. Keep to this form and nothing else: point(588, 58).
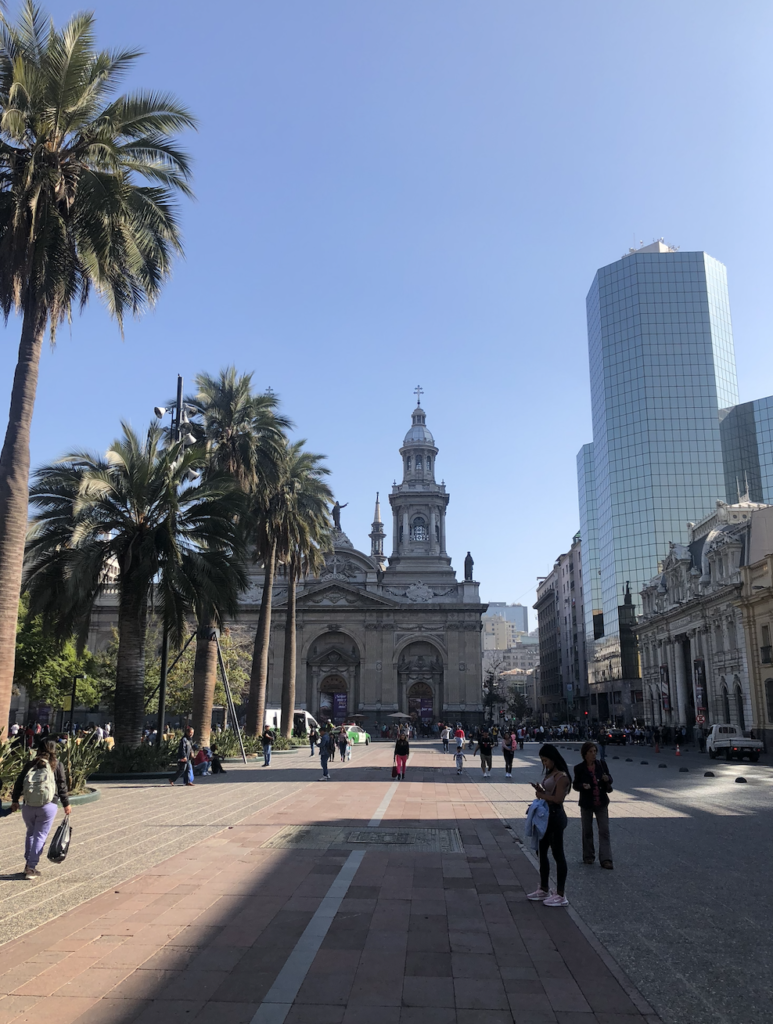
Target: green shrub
point(122, 759)
point(80, 759)
point(12, 760)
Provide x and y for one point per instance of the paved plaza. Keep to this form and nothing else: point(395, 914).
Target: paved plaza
point(268, 896)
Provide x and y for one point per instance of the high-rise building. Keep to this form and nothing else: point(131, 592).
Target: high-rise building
point(518, 614)
point(662, 366)
point(747, 446)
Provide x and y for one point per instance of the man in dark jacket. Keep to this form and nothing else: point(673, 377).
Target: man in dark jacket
point(593, 782)
point(326, 746)
point(184, 755)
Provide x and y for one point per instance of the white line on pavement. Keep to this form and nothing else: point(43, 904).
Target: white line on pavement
point(382, 807)
point(280, 996)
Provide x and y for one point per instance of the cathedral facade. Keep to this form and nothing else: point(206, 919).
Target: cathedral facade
point(379, 636)
point(375, 635)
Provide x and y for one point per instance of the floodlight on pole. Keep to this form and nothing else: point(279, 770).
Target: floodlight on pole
point(159, 411)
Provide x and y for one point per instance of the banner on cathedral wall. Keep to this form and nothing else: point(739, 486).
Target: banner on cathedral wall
point(339, 708)
point(699, 674)
point(665, 688)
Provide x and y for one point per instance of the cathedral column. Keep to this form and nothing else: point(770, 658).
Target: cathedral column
point(406, 532)
point(442, 531)
point(433, 544)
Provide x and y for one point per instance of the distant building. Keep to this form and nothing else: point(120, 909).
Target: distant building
point(518, 614)
point(563, 688)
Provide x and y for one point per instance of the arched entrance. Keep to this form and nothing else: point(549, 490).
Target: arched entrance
point(421, 702)
point(333, 700)
point(332, 676)
point(420, 679)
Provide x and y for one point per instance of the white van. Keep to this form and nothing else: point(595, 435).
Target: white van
point(301, 719)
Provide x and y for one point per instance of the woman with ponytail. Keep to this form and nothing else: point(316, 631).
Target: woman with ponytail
point(555, 784)
point(40, 781)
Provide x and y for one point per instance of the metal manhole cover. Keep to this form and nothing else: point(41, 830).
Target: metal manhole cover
point(326, 837)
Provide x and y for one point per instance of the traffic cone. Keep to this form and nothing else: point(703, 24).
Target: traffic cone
point(677, 751)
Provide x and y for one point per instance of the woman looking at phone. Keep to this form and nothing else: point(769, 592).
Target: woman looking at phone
point(553, 788)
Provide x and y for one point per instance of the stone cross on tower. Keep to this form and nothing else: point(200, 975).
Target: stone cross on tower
point(418, 391)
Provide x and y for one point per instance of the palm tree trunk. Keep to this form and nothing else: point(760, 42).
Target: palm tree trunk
point(256, 705)
point(130, 673)
point(204, 679)
point(14, 489)
point(288, 668)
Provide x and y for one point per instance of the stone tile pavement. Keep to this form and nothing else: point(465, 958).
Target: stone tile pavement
point(217, 928)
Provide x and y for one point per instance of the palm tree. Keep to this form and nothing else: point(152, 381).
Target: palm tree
point(130, 519)
point(304, 535)
point(72, 217)
point(244, 440)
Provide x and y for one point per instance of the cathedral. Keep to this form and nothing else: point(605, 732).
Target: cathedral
point(377, 635)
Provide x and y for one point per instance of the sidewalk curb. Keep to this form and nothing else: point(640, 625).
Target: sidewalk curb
point(85, 798)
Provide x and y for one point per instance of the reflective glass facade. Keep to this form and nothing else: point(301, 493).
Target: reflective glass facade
point(747, 448)
point(586, 488)
point(662, 365)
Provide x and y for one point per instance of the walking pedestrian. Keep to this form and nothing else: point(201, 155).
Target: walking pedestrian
point(445, 736)
point(484, 749)
point(40, 782)
point(593, 782)
point(553, 789)
point(313, 739)
point(509, 741)
point(184, 755)
point(326, 745)
point(402, 750)
point(342, 739)
point(460, 759)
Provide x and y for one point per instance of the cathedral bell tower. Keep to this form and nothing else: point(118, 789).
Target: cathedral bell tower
point(419, 509)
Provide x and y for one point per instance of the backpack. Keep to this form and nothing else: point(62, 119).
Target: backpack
point(39, 786)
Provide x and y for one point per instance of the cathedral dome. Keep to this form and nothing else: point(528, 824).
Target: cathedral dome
point(418, 434)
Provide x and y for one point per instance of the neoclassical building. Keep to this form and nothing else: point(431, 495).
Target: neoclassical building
point(691, 630)
point(376, 636)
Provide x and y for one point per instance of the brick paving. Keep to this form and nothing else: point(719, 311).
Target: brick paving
point(203, 935)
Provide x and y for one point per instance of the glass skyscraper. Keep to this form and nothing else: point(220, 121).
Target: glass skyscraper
point(747, 446)
point(662, 366)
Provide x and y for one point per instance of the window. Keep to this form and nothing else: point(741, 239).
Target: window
point(418, 463)
point(769, 698)
point(408, 463)
point(739, 708)
point(617, 697)
point(726, 703)
point(419, 529)
point(429, 463)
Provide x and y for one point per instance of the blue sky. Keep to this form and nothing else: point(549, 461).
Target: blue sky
point(421, 192)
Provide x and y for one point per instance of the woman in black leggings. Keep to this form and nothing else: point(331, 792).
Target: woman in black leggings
point(553, 789)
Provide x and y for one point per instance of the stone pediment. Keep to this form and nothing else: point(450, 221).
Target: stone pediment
point(339, 595)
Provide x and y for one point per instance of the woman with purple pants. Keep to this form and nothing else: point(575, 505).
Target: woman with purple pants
point(40, 781)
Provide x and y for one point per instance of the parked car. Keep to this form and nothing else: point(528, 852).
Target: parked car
point(613, 736)
point(732, 742)
point(357, 734)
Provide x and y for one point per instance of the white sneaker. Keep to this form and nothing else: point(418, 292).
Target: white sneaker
point(556, 901)
point(538, 894)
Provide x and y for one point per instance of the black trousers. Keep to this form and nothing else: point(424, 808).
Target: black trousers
point(553, 841)
point(181, 771)
point(508, 755)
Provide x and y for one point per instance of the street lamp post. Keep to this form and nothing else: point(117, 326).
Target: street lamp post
point(175, 437)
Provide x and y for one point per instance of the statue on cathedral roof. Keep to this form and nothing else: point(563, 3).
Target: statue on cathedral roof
point(336, 513)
